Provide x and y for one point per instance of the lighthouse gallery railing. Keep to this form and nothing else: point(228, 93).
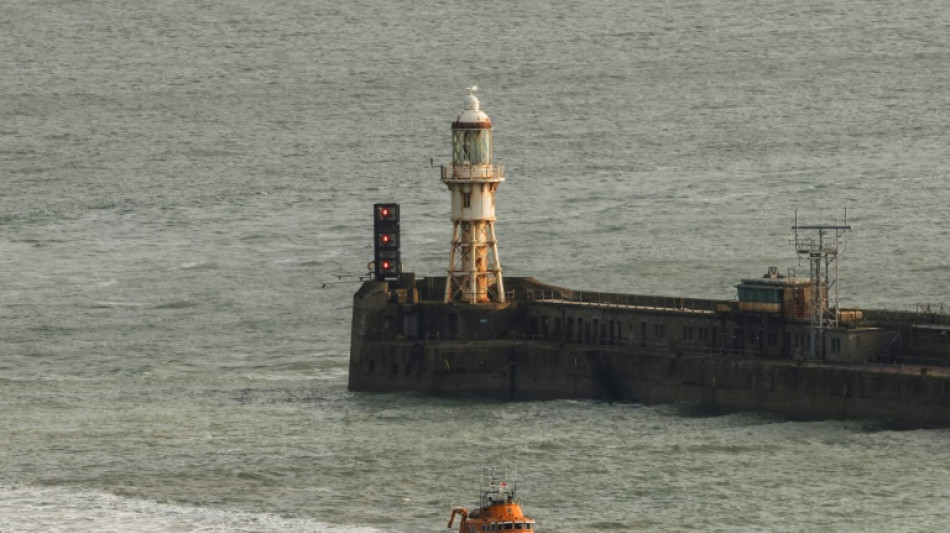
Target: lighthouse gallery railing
point(479, 172)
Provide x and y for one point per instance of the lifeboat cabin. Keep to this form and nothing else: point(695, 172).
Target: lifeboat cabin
point(498, 510)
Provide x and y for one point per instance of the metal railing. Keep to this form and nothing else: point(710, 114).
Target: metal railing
point(629, 301)
point(900, 368)
point(925, 314)
point(659, 348)
point(477, 172)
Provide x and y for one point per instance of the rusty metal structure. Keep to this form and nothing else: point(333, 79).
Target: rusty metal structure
point(822, 253)
point(474, 273)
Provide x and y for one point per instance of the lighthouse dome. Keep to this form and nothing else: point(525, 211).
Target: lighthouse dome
point(471, 102)
point(472, 117)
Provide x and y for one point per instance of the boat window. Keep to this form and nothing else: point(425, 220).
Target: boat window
point(529, 525)
point(518, 525)
point(509, 525)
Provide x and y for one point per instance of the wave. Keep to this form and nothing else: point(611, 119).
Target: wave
point(62, 509)
point(175, 304)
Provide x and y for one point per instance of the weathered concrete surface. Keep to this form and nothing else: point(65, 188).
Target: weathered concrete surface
point(520, 370)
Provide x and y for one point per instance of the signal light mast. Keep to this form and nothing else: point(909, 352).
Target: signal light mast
point(474, 274)
point(386, 257)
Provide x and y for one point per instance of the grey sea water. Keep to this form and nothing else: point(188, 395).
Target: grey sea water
point(182, 183)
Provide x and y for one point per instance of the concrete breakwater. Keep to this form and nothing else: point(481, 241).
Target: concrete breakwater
point(504, 370)
point(525, 350)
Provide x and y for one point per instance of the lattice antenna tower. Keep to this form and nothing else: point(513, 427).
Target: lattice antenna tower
point(822, 253)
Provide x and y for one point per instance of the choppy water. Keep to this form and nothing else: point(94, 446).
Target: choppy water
point(182, 182)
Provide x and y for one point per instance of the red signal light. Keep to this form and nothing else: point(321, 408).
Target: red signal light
point(386, 241)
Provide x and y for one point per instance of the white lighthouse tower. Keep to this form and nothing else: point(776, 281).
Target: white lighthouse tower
point(474, 274)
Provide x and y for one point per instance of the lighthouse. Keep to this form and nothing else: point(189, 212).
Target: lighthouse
point(474, 274)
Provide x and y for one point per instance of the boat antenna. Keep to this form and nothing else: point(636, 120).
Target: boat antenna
point(515, 483)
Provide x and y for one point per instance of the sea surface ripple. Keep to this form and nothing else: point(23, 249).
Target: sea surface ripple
point(186, 196)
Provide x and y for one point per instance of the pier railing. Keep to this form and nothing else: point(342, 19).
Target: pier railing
point(629, 301)
point(924, 314)
point(655, 348)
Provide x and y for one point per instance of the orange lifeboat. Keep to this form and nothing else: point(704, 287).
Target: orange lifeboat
point(498, 510)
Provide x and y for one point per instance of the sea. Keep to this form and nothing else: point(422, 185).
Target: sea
point(186, 193)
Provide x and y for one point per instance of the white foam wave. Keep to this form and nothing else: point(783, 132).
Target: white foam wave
point(59, 509)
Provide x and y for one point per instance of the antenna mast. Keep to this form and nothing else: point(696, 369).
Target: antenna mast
point(822, 253)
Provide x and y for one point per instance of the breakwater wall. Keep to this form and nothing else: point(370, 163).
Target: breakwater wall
point(642, 349)
point(521, 371)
